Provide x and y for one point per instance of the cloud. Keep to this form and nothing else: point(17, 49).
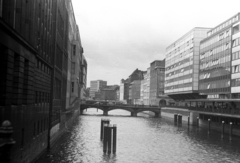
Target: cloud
point(120, 36)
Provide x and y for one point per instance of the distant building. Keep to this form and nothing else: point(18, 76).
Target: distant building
point(134, 92)
point(95, 86)
point(157, 79)
point(124, 85)
point(220, 61)
point(87, 92)
point(109, 92)
point(182, 65)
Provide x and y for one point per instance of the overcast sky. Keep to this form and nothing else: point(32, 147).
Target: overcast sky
point(119, 36)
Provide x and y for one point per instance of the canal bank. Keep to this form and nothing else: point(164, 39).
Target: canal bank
point(57, 131)
point(216, 120)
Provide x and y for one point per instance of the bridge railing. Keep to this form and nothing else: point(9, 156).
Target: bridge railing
point(232, 111)
point(126, 105)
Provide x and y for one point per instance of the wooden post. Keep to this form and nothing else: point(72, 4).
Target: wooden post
point(101, 129)
point(105, 138)
point(175, 118)
point(179, 120)
point(230, 131)
point(114, 138)
point(109, 138)
point(197, 122)
point(222, 135)
point(209, 123)
point(107, 121)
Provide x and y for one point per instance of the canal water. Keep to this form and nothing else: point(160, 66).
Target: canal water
point(141, 139)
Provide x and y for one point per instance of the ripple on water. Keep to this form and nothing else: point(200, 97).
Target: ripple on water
point(140, 140)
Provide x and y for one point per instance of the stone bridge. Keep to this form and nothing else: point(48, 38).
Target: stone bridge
point(133, 109)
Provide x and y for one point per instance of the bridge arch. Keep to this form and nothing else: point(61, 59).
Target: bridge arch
point(120, 108)
point(162, 102)
point(156, 111)
point(92, 107)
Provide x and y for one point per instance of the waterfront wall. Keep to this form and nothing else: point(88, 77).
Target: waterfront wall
point(169, 113)
point(218, 127)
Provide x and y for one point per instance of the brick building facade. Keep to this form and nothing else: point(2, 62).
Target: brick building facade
point(35, 47)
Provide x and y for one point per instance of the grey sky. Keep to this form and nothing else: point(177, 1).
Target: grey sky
point(119, 36)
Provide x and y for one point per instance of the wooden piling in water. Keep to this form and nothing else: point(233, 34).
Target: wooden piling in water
point(179, 120)
point(175, 118)
point(209, 124)
point(114, 138)
point(197, 122)
point(105, 138)
point(222, 135)
point(109, 139)
point(230, 131)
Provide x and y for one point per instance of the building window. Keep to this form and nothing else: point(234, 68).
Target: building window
point(236, 82)
point(74, 49)
point(236, 69)
point(236, 42)
point(236, 29)
point(208, 86)
point(22, 138)
point(73, 67)
point(1, 8)
point(59, 57)
point(72, 86)
point(34, 129)
point(57, 89)
point(38, 127)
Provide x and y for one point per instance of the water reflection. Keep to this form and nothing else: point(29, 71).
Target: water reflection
point(140, 139)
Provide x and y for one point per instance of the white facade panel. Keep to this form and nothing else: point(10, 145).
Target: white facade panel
point(236, 76)
point(235, 89)
point(236, 62)
point(235, 35)
point(235, 49)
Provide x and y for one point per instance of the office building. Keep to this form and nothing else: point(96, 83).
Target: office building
point(95, 86)
point(182, 65)
point(157, 79)
point(220, 61)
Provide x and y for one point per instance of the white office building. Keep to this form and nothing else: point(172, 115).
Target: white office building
point(182, 65)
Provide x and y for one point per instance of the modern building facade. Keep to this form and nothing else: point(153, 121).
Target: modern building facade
point(95, 86)
point(220, 61)
point(35, 55)
point(182, 65)
point(157, 79)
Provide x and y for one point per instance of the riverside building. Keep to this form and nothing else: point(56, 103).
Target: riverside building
point(95, 86)
point(157, 73)
point(219, 75)
point(182, 65)
point(35, 47)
